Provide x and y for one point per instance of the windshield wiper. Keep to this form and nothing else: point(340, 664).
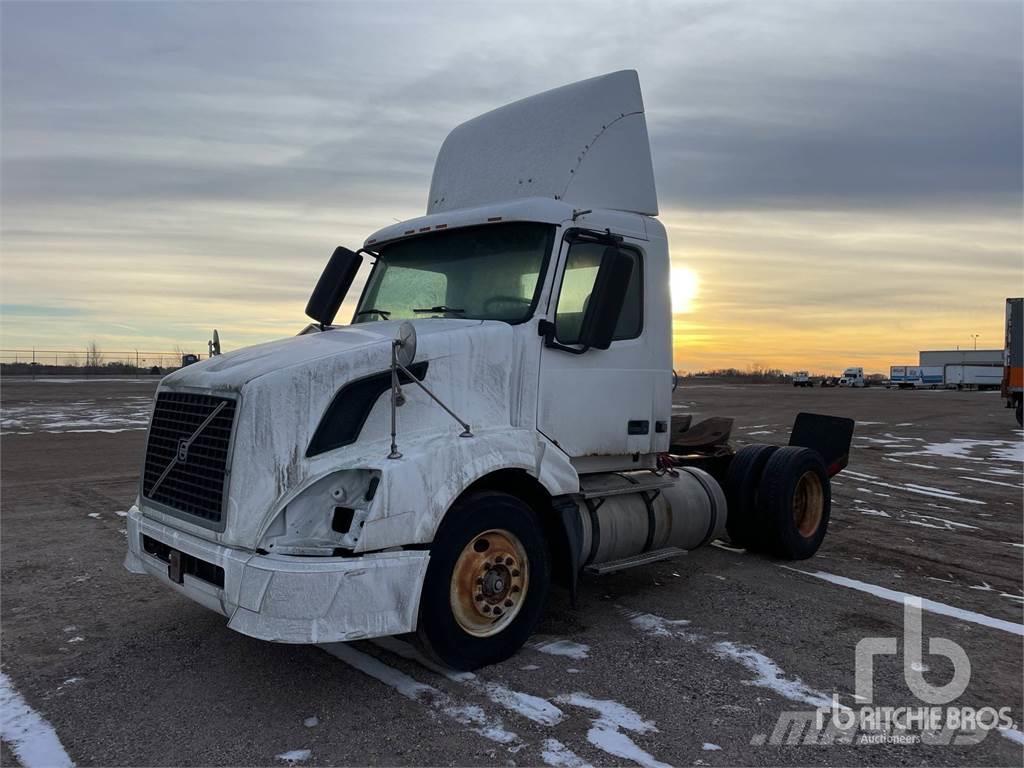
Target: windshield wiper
point(441, 308)
point(382, 312)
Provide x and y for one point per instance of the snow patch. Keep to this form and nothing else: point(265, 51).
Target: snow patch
point(707, 746)
point(555, 753)
point(295, 756)
point(31, 738)
point(960, 448)
point(922, 490)
point(568, 648)
point(874, 512)
point(769, 675)
point(658, 626)
point(606, 732)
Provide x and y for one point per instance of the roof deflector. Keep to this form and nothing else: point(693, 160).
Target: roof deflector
point(584, 143)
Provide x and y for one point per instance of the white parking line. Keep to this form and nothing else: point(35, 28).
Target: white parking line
point(526, 705)
point(471, 715)
point(32, 739)
point(928, 605)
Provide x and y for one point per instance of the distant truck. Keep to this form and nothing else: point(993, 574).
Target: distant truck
point(852, 377)
point(917, 376)
point(523, 330)
point(1013, 364)
point(801, 379)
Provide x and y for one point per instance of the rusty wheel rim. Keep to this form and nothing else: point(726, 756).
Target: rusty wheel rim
point(489, 583)
point(808, 504)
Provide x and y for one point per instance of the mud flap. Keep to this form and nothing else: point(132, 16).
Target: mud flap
point(830, 436)
point(569, 516)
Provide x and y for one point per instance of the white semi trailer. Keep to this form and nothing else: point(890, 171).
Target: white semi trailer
point(497, 415)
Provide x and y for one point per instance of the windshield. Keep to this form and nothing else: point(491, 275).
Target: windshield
point(485, 273)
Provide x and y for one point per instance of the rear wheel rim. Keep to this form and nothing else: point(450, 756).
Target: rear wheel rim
point(489, 582)
point(808, 504)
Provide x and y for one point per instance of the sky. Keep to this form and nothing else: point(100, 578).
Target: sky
point(841, 182)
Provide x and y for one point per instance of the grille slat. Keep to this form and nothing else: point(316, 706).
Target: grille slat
point(194, 486)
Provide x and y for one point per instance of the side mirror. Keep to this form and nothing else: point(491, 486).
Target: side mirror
point(333, 284)
point(606, 299)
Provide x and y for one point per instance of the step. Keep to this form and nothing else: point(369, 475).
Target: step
point(644, 558)
point(657, 482)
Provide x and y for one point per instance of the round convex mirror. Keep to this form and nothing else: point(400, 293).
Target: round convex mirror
point(406, 339)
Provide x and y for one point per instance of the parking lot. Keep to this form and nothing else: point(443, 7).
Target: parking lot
point(686, 662)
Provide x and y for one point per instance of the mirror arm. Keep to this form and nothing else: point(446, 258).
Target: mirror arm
point(547, 329)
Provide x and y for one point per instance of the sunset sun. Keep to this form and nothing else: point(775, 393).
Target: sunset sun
point(684, 285)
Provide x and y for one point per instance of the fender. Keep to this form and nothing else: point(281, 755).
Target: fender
point(435, 471)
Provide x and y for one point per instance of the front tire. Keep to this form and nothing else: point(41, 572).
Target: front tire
point(487, 582)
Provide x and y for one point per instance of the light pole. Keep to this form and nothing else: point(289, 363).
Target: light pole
point(975, 337)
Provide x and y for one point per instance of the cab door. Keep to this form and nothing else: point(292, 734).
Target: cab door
point(597, 402)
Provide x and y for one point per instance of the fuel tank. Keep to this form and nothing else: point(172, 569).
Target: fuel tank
point(626, 513)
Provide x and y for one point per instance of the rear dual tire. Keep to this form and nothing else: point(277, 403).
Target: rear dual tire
point(779, 500)
point(741, 485)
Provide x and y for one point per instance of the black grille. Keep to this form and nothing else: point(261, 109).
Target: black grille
point(194, 484)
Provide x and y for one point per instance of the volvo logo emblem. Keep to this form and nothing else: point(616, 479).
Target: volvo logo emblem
point(183, 449)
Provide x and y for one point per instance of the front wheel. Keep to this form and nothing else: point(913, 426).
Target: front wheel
point(487, 581)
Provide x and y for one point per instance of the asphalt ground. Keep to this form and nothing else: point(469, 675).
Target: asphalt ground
point(686, 662)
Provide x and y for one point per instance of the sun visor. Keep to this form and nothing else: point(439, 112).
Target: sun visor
point(584, 143)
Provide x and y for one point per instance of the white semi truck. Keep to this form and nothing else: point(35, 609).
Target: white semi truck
point(853, 377)
point(497, 415)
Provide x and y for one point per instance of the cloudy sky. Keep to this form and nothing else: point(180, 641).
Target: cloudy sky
point(842, 182)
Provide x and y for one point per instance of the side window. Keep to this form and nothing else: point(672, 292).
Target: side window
point(581, 267)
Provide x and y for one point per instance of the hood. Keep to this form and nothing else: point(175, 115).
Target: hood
point(233, 370)
point(283, 389)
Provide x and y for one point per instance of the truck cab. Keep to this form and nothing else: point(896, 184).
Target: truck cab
point(852, 377)
point(495, 414)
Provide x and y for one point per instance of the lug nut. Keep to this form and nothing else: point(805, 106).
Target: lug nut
point(515, 572)
point(479, 597)
point(515, 588)
point(497, 611)
point(508, 603)
point(487, 609)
